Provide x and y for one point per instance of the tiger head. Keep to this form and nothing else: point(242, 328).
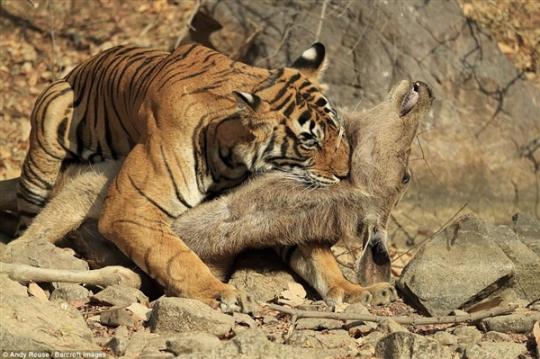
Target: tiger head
point(301, 131)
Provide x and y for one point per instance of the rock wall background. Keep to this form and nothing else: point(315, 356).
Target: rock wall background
point(477, 149)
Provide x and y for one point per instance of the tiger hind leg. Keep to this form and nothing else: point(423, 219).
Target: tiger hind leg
point(317, 265)
point(49, 146)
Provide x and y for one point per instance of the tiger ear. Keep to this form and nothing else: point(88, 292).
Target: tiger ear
point(312, 63)
point(247, 101)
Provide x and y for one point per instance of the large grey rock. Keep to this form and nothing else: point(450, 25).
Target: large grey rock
point(484, 107)
point(487, 350)
point(178, 315)
point(459, 266)
point(514, 323)
point(261, 274)
point(528, 228)
point(118, 295)
point(28, 323)
point(42, 254)
point(401, 345)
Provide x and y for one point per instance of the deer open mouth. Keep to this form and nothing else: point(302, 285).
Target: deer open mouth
point(411, 98)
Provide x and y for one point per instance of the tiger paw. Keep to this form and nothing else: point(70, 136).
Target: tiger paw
point(382, 293)
point(233, 300)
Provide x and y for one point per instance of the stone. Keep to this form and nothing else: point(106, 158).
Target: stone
point(501, 350)
point(513, 323)
point(32, 324)
point(244, 319)
point(187, 343)
point(318, 324)
point(388, 326)
point(526, 262)
point(528, 229)
point(270, 319)
point(11, 288)
point(69, 292)
point(467, 336)
point(334, 339)
point(140, 311)
point(459, 266)
point(493, 336)
point(42, 254)
point(116, 317)
point(178, 315)
point(119, 342)
point(402, 345)
point(262, 274)
point(144, 344)
point(357, 308)
point(445, 338)
point(117, 295)
point(36, 291)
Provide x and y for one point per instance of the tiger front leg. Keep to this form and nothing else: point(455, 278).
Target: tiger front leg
point(318, 266)
point(141, 203)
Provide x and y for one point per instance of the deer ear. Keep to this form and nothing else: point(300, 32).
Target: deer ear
point(247, 101)
point(312, 62)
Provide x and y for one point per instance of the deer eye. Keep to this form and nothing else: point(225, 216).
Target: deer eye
point(406, 177)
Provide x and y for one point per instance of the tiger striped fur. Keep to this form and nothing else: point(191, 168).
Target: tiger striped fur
point(189, 124)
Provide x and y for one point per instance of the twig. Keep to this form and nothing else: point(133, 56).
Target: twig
point(408, 320)
point(185, 31)
point(441, 228)
point(321, 20)
point(291, 328)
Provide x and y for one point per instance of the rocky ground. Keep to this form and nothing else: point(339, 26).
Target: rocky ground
point(450, 275)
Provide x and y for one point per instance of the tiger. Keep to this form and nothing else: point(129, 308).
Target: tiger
point(187, 125)
point(301, 225)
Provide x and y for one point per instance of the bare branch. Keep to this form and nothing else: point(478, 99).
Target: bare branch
point(408, 320)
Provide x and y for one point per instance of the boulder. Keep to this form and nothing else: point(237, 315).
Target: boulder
point(115, 317)
point(118, 295)
point(179, 315)
point(32, 324)
point(458, 267)
point(401, 345)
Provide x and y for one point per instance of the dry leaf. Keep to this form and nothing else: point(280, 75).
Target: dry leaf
point(140, 311)
point(294, 295)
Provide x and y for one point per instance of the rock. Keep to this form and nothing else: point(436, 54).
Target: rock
point(119, 342)
point(143, 344)
point(401, 345)
point(458, 266)
point(334, 339)
point(117, 317)
point(32, 324)
point(388, 326)
point(514, 323)
point(528, 229)
point(504, 350)
point(42, 254)
point(242, 318)
point(357, 308)
point(117, 295)
point(445, 338)
point(262, 274)
point(69, 292)
point(467, 336)
point(11, 288)
point(187, 343)
point(493, 336)
point(318, 323)
point(269, 319)
point(179, 315)
point(526, 262)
